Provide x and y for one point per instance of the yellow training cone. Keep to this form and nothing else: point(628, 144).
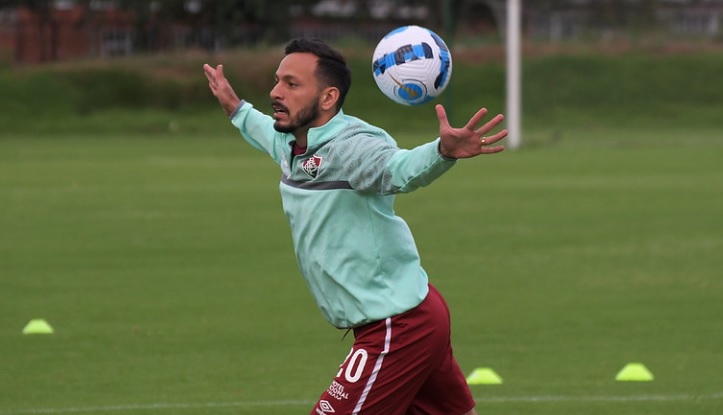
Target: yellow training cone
point(484, 376)
point(38, 326)
point(635, 372)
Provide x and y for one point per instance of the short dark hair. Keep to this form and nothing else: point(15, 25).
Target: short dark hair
point(331, 68)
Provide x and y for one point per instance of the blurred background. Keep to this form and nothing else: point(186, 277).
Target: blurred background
point(38, 31)
point(80, 57)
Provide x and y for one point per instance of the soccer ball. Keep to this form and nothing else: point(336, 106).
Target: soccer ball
point(412, 65)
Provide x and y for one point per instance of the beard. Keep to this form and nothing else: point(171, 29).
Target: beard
point(303, 118)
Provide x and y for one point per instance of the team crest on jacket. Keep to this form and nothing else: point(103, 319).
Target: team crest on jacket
point(312, 165)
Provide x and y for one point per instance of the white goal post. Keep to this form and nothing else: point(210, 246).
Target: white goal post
point(513, 73)
point(508, 17)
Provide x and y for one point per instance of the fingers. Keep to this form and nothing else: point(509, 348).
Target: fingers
point(489, 125)
point(476, 118)
point(209, 72)
point(491, 150)
point(487, 140)
point(214, 75)
point(441, 116)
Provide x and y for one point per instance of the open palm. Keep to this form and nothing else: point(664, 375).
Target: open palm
point(468, 141)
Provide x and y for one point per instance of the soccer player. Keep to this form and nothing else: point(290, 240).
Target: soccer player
point(339, 179)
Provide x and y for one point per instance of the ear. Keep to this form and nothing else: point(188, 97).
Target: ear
point(329, 97)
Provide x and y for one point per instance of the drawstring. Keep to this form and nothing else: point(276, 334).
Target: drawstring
point(346, 333)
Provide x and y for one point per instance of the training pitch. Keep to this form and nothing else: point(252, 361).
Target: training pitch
point(164, 267)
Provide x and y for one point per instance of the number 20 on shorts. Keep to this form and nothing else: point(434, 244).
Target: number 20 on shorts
point(354, 363)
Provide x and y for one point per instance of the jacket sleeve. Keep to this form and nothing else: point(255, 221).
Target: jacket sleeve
point(385, 168)
point(418, 167)
point(256, 128)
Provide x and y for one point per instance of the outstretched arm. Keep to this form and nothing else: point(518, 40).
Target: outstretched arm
point(221, 88)
point(468, 141)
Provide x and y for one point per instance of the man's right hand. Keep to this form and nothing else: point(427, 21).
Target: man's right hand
point(221, 88)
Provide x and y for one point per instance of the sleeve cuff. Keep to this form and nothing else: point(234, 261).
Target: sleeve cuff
point(238, 108)
point(439, 143)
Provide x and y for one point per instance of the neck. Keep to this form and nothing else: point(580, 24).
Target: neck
point(301, 134)
point(301, 139)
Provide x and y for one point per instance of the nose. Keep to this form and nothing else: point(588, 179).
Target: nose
point(275, 93)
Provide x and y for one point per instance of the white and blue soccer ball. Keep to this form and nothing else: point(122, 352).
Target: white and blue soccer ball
point(412, 65)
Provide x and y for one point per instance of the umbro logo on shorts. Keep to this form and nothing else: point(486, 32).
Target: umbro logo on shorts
point(325, 408)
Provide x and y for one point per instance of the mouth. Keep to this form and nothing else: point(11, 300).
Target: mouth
point(279, 110)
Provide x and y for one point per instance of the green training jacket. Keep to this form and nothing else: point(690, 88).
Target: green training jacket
point(358, 258)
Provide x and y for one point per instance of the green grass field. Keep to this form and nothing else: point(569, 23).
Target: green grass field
point(164, 265)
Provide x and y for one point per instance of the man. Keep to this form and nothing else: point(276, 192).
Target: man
point(339, 178)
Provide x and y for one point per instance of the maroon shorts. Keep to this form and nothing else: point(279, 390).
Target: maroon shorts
point(402, 365)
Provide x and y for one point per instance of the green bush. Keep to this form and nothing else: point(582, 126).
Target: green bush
point(559, 91)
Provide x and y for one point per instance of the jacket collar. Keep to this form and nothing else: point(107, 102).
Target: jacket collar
point(320, 135)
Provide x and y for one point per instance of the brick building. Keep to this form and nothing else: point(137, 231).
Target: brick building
point(62, 33)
